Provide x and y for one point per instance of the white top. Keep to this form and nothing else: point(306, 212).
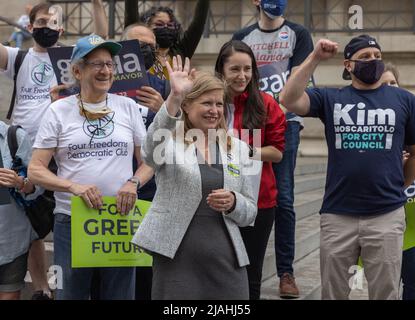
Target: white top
point(34, 80)
point(98, 152)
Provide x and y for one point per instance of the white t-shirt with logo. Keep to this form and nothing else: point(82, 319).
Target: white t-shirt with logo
point(34, 80)
point(98, 152)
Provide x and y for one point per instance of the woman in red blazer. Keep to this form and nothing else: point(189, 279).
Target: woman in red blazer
point(257, 119)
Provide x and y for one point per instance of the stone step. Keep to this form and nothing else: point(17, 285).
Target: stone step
point(307, 240)
point(310, 165)
point(313, 147)
point(307, 276)
point(309, 182)
point(308, 203)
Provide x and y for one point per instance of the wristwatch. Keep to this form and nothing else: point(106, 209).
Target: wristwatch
point(25, 182)
point(135, 180)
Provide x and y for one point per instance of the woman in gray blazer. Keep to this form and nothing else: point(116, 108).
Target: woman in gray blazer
point(203, 194)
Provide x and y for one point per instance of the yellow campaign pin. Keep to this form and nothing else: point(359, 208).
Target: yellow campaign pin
point(234, 170)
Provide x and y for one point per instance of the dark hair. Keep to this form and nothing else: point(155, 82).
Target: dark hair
point(255, 114)
point(392, 68)
point(44, 7)
point(149, 15)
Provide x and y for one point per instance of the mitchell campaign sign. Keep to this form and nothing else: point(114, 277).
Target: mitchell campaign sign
point(130, 73)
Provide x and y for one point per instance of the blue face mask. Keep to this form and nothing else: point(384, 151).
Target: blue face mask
point(273, 8)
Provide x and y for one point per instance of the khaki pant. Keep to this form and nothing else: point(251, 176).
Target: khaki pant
point(377, 239)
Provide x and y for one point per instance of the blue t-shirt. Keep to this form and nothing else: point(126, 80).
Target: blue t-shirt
point(366, 131)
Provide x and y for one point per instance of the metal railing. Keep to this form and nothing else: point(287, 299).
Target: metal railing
point(227, 17)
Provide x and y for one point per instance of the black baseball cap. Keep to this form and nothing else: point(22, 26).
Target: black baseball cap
point(361, 42)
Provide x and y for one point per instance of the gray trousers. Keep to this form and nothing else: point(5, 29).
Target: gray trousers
point(377, 239)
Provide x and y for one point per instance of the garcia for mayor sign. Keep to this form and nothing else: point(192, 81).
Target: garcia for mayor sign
point(130, 73)
point(102, 238)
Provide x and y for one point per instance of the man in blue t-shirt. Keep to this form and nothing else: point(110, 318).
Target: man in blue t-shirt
point(367, 125)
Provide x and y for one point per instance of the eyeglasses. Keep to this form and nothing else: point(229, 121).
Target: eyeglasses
point(169, 25)
point(98, 65)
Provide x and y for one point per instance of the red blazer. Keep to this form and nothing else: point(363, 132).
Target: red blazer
point(273, 134)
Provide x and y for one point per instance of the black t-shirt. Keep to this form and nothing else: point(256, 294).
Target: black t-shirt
point(366, 131)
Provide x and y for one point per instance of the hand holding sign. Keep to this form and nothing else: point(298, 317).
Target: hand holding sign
point(126, 198)
point(150, 98)
point(54, 91)
point(89, 193)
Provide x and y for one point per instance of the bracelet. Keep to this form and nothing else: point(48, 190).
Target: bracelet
point(136, 181)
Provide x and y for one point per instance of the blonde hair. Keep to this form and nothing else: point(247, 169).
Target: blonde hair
point(204, 82)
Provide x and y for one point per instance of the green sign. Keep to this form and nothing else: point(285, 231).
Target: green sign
point(409, 235)
point(102, 238)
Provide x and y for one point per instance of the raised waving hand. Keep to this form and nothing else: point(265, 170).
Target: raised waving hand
point(181, 82)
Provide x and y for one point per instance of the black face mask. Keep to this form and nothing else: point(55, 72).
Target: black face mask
point(165, 37)
point(149, 55)
point(45, 37)
point(368, 72)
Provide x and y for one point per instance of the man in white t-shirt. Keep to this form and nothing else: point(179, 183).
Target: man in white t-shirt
point(93, 137)
point(35, 77)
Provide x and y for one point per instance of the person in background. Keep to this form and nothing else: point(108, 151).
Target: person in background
point(171, 38)
point(390, 77)
point(249, 108)
point(280, 46)
point(16, 232)
point(152, 97)
point(191, 228)
point(18, 35)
